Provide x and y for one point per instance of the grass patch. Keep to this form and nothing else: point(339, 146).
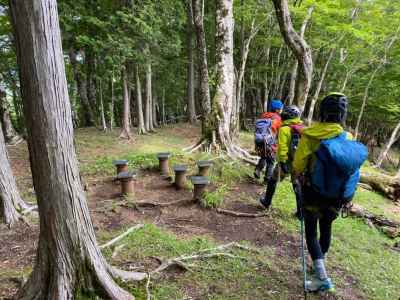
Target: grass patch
point(215, 198)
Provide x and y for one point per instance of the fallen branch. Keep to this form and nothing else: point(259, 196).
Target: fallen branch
point(194, 147)
point(148, 288)
point(120, 237)
point(117, 250)
point(386, 185)
point(29, 209)
point(240, 214)
point(155, 204)
point(389, 227)
point(126, 275)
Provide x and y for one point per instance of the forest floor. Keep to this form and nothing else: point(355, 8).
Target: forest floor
point(362, 261)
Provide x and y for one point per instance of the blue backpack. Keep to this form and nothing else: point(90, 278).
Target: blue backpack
point(263, 135)
point(336, 171)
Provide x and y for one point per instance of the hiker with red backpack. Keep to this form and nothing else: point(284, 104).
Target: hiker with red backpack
point(327, 163)
point(266, 131)
point(288, 139)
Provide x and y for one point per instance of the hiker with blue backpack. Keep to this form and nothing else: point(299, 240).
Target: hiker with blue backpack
point(288, 139)
point(266, 131)
point(327, 163)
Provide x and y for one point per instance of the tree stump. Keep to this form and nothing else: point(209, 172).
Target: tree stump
point(126, 179)
point(199, 183)
point(204, 167)
point(180, 176)
point(163, 163)
point(121, 165)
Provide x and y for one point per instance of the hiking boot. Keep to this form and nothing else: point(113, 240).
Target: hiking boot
point(257, 174)
point(264, 202)
point(318, 285)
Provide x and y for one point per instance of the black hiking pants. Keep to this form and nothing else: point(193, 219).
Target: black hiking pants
point(279, 175)
point(318, 212)
point(269, 164)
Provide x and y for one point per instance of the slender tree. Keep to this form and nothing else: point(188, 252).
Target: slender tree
point(126, 126)
point(69, 261)
point(393, 138)
point(139, 103)
point(10, 135)
point(300, 49)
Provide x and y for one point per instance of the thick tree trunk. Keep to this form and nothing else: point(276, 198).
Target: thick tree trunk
point(190, 69)
point(102, 112)
point(149, 99)
point(69, 261)
point(300, 49)
point(126, 126)
point(319, 86)
point(393, 138)
point(11, 203)
point(364, 103)
point(204, 89)
point(88, 115)
point(386, 185)
point(10, 135)
point(139, 103)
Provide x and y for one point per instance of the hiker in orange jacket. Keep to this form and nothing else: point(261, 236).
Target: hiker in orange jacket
point(267, 128)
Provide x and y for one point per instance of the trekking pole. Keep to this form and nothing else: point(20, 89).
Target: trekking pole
point(303, 257)
point(302, 245)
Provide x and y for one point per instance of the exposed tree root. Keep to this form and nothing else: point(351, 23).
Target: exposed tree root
point(126, 275)
point(117, 249)
point(194, 147)
point(120, 237)
point(240, 214)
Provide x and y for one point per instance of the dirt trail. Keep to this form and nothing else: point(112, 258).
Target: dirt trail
point(184, 220)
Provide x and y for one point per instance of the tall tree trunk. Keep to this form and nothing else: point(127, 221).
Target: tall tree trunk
point(68, 260)
point(88, 115)
point(149, 99)
point(102, 112)
point(112, 103)
point(345, 81)
point(126, 126)
point(10, 135)
point(139, 103)
point(11, 202)
point(223, 99)
point(292, 84)
point(204, 89)
point(266, 86)
point(164, 121)
point(364, 103)
point(319, 86)
point(190, 69)
point(300, 49)
point(393, 138)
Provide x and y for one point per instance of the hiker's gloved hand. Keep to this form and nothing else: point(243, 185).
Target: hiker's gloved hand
point(285, 167)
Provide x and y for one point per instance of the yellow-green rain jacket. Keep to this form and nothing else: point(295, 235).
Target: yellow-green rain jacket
point(284, 139)
point(309, 144)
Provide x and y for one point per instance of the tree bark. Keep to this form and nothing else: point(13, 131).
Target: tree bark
point(394, 136)
point(10, 135)
point(319, 86)
point(300, 49)
point(91, 83)
point(69, 261)
point(11, 203)
point(292, 84)
point(204, 89)
point(190, 69)
point(154, 106)
point(139, 103)
point(386, 185)
point(126, 126)
point(88, 116)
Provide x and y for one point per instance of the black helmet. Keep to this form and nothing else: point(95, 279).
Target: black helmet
point(290, 112)
point(334, 108)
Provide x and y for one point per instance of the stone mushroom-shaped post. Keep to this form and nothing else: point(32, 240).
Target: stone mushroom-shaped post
point(163, 163)
point(121, 165)
point(180, 176)
point(126, 179)
point(204, 167)
point(199, 183)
